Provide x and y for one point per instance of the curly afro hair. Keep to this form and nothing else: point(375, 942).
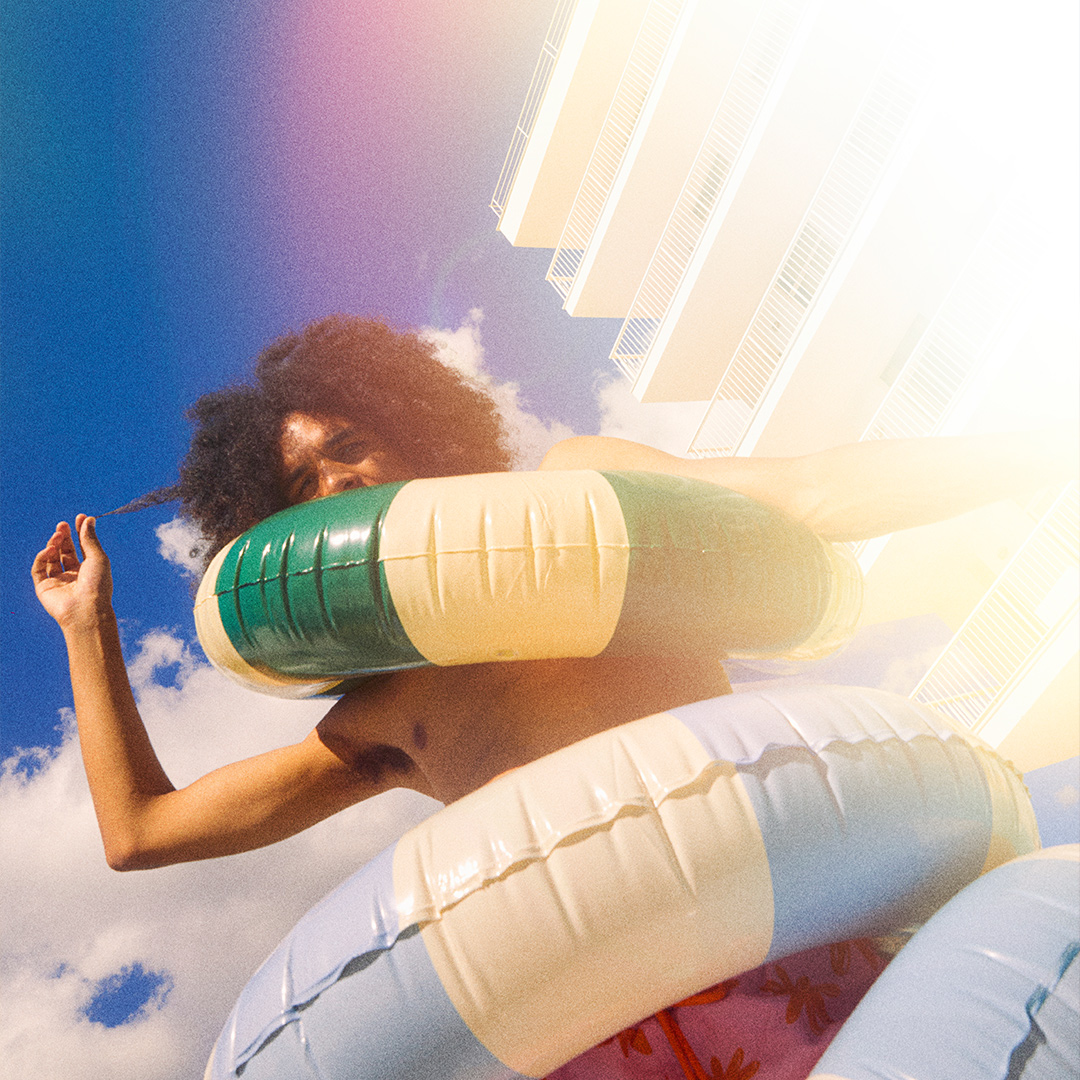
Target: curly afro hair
point(360, 369)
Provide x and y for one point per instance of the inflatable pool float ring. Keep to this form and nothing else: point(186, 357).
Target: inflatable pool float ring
point(564, 901)
point(509, 566)
point(988, 988)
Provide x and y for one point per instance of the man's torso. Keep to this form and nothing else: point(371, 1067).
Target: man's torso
point(447, 731)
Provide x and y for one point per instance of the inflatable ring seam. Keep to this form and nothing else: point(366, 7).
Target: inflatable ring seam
point(426, 914)
point(351, 966)
point(289, 575)
point(497, 870)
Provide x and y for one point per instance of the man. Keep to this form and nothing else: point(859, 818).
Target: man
point(349, 402)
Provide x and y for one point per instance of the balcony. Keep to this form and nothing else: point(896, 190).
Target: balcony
point(733, 134)
point(1020, 635)
point(840, 216)
point(656, 35)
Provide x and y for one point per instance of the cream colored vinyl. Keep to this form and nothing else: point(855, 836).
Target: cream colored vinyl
point(222, 653)
point(630, 873)
point(506, 566)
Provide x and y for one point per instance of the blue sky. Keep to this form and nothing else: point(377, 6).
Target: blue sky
point(182, 182)
point(170, 204)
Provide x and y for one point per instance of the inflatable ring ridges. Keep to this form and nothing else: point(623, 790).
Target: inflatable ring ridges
point(555, 906)
point(513, 566)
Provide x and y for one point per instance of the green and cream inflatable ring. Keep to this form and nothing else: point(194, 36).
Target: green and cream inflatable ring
point(514, 566)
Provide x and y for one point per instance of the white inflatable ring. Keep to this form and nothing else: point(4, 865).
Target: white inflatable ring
point(560, 903)
point(517, 566)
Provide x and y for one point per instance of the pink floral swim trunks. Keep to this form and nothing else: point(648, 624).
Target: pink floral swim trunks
point(772, 1023)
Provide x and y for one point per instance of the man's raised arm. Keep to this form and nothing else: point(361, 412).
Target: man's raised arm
point(864, 489)
point(144, 820)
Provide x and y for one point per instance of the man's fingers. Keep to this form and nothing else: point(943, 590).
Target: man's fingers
point(40, 567)
point(63, 541)
point(59, 555)
point(49, 561)
point(88, 533)
point(80, 520)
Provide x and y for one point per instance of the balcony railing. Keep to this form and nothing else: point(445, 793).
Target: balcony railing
point(739, 117)
point(1030, 606)
point(637, 80)
point(958, 343)
point(854, 176)
point(549, 54)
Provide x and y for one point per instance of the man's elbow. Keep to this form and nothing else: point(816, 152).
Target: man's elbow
point(122, 858)
point(128, 854)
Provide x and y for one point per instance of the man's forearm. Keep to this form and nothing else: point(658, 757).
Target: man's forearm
point(145, 821)
point(860, 490)
point(872, 488)
point(121, 767)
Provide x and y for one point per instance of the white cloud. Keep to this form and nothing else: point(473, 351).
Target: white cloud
point(463, 349)
point(70, 921)
point(181, 543)
point(1066, 796)
point(666, 425)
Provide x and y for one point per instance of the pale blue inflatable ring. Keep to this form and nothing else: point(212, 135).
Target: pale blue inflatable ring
point(989, 987)
point(736, 831)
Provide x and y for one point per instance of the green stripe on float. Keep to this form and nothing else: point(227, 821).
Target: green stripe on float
point(222, 652)
point(305, 596)
point(713, 570)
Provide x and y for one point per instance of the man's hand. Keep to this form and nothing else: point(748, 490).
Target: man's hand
point(70, 590)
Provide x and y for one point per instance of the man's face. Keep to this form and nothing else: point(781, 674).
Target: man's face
point(322, 455)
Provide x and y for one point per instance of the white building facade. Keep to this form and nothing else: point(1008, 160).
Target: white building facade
point(833, 220)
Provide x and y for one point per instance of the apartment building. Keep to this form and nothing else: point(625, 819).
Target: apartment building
point(833, 220)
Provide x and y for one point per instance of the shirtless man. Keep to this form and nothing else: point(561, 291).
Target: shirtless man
point(441, 731)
